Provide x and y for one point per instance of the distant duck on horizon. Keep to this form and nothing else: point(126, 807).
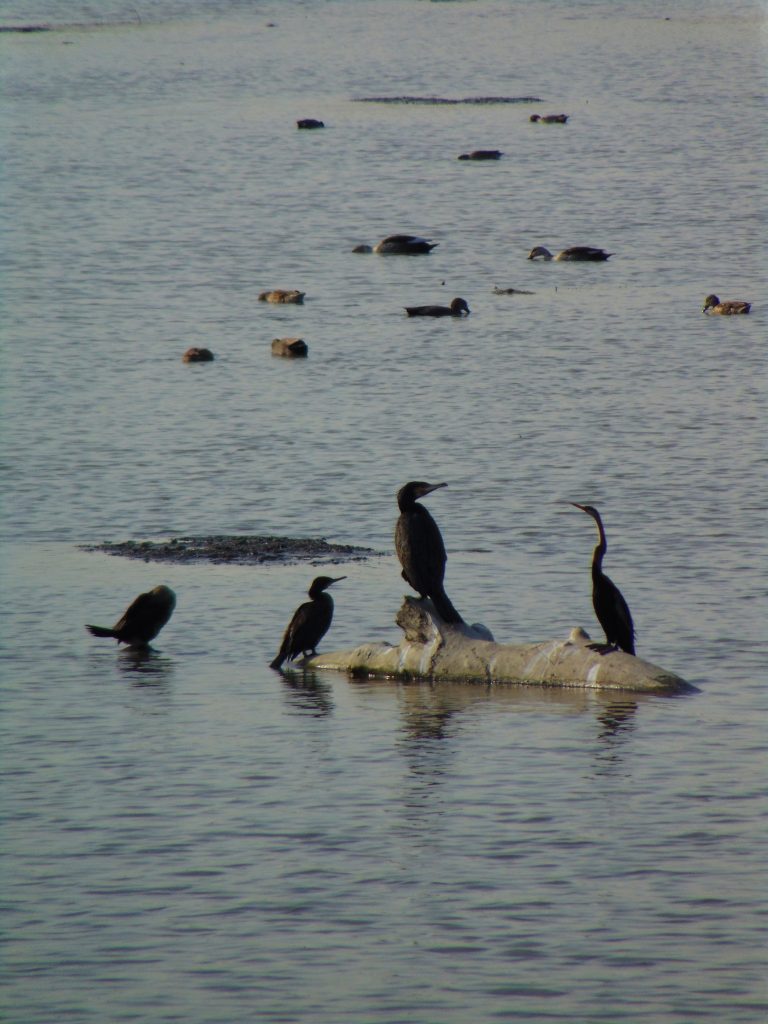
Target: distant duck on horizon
point(482, 154)
point(399, 245)
point(584, 253)
point(458, 307)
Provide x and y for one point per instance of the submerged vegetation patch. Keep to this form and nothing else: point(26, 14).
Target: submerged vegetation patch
point(237, 550)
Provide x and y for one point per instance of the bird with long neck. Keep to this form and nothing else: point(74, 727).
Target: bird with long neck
point(309, 624)
point(420, 548)
point(611, 609)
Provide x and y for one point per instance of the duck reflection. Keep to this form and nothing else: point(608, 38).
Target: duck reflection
point(305, 692)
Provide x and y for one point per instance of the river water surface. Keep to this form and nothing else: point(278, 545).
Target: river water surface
point(189, 836)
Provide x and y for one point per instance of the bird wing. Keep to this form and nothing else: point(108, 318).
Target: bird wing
point(421, 542)
point(138, 612)
point(620, 617)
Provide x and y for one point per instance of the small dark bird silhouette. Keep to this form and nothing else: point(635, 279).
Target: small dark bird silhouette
point(482, 154)
point(610, 607)
point(399, 245)
point(310, 622)
point(458, 307)
point(143, 620)
point(576, 253)
point(420, 548)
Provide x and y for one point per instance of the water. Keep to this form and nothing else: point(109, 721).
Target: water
point(189, 837)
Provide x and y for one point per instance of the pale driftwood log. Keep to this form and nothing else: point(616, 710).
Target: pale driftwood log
point(433, 650)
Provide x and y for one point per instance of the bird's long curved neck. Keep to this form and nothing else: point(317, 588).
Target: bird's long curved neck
point(599, 552)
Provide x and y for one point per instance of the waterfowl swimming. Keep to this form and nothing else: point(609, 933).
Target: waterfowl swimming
point(309, 122)
point(197, 355)
point(291, 348)
point(142, 620)
point(456, 308)
point(399, 245)
point(548, 118)
point(713, 305)
point(585, 253)
point(482, 154)
point(309, 624)
point(280, 296)
point(510, 291)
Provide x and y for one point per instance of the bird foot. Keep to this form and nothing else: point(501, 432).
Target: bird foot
point(602, 648)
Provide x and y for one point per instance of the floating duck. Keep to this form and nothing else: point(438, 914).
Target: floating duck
point(548, 118)
point(291, 348)
point(456, 308)
point(280, 296)
point(586, 253)
point(510, 291)
point(482, 154)
point(309, 122)
point(713, 305)
point(197, 355)
point(399, 245)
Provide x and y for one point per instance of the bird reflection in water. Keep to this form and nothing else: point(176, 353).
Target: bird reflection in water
point(616, 721)
point(305, 692)
point(145, 666)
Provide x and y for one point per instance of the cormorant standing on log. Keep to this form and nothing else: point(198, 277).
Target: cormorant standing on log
point(610, 607)
point(310, 622)
point(420, 548)
point(143, 620)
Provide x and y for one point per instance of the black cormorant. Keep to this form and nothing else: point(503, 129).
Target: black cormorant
point(456, 308)
point(610, 607)
point(310, 622)
point(420, 548)
point(143, 620)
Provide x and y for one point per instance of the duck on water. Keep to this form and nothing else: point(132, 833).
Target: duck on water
point(399, 245)
point(583, 253)
point(733, 307)
point(458, 307)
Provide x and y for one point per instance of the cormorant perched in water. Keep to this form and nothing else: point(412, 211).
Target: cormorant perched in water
point(420, 548)
point(310, 622)
point(143, 620)
point(610, 607)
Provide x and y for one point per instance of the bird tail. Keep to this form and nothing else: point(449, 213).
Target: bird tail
point(101, 631)
point(279, 658)
point(445, 609)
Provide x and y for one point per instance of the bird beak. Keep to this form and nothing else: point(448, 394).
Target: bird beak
point(577, 505)
point(338, 579)
point(432, 487)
